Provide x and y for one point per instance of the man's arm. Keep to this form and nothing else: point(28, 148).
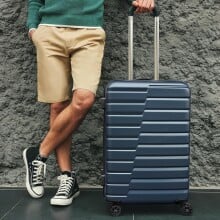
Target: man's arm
point(33, 13)
point(143, 5)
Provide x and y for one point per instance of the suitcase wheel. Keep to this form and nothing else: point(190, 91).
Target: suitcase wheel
point(115, 209)
point(186, 208)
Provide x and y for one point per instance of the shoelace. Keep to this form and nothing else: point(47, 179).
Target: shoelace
point(39, 172)
point(65, 184)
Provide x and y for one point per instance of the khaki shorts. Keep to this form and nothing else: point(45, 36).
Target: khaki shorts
point(67, 59)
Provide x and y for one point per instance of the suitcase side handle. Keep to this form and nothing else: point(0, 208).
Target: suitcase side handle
point(155, 14)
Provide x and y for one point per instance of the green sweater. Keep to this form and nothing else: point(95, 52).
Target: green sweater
point(65, 12)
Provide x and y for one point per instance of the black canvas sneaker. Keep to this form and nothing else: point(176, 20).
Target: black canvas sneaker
point(67, 191)
point(35, 172)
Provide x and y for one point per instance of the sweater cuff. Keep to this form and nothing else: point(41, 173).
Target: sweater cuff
point(30, 26)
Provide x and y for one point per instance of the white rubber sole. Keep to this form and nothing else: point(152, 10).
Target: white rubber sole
point(30, 191)
point(64, 202)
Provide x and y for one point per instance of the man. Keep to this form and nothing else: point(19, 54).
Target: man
point(69, 41)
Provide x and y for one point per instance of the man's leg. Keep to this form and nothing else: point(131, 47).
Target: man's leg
point(35, 165)
point(63, 151)
point(63, 155)
point(67, 121)
point(62, 126)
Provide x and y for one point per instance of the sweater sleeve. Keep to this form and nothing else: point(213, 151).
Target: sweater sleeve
point(33, 18)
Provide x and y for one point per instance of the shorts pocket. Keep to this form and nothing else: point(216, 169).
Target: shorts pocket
point(97, 32)
point(39, 33)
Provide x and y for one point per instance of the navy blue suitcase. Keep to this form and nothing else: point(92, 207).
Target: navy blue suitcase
point(146, 138)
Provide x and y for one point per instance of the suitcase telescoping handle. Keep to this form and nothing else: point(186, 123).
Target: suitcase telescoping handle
point(155, 13)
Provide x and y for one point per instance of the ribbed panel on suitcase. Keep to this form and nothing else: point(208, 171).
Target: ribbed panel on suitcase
point(147, 136)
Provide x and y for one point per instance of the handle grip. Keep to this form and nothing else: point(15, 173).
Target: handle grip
point(131, 11)
point(154, 13)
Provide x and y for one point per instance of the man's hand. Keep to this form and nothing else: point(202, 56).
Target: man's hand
point(143, 5)
point(31, 32)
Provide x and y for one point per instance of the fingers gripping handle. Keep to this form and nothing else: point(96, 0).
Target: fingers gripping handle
point(155, 14)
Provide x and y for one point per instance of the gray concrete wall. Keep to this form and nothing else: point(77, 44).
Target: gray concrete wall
point(190, 51)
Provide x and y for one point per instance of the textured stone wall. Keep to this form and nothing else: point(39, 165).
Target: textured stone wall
point(190, 51)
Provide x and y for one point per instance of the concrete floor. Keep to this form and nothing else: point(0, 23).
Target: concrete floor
point(15, 204)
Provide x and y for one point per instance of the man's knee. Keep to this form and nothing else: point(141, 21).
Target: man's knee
point(83, 100)
point(58, 107)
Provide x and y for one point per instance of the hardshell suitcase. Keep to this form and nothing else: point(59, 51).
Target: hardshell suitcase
point(146, 138)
